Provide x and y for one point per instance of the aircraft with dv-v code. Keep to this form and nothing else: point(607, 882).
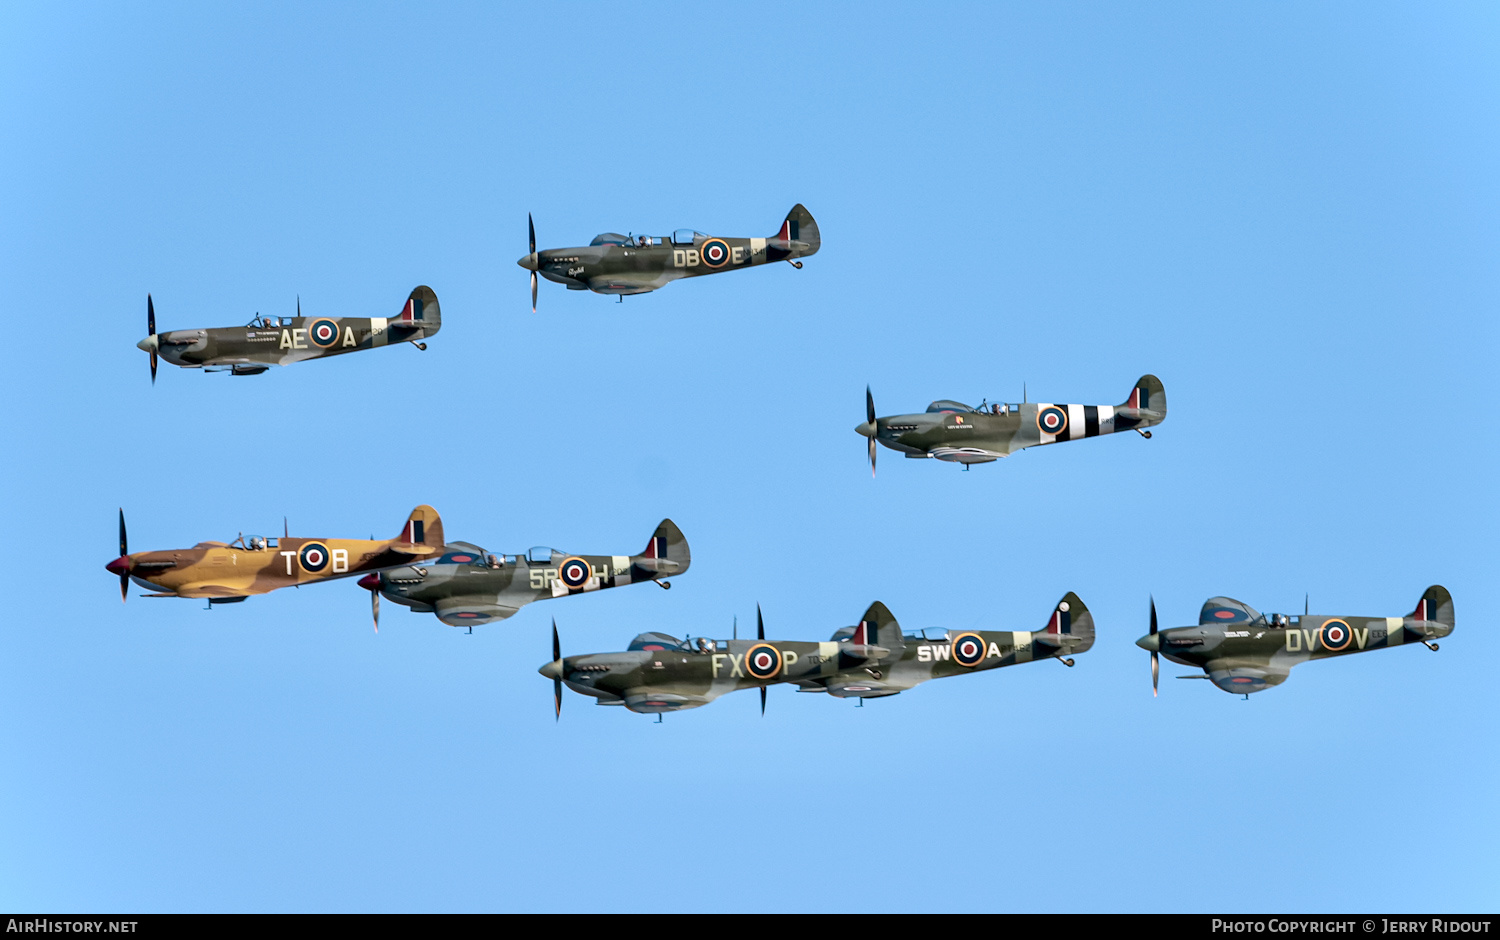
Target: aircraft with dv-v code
point(1242, 650)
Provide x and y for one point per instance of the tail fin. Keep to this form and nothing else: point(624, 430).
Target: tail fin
point(1148, 395)
point(420, 312)
point(798, 226)
point(424, 527)
point(878, 628)
point(1071, 626)
point(1436, 606)
point(667, 551)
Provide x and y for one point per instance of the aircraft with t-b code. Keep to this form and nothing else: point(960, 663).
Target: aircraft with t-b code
point(1242, 650)
point(953, 431)
point(467, 585)
point(226, 573)
point(279, 341)
point(636, 264)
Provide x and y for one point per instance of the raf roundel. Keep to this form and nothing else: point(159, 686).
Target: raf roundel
point(1052, 420)
point(1335, 635)
point(574, 572)
point(313, 557)
point(715, 252)
point(763, 661)
point(324, 333)
point(968, 649)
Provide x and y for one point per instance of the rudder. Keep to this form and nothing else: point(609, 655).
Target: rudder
point(1435, 605)
point(799, 226)
point(420, 312)
point(1071, 625)
point(423, 527)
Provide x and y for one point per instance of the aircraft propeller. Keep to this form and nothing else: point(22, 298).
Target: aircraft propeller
point(760, 634)
point(1155, 662)
point(531, 246)
point(870, 427)
point(371, 583)
point(151, 331)
point(122, 564)
point(557, 680)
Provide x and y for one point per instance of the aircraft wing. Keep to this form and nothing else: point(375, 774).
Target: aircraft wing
point(850, 686)
point(1239, 676)
point(652, 701)
point(219, 590)
point(468, 611)
point(965, 454)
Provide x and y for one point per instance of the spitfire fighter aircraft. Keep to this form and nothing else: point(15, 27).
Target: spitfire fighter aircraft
point(228, 573)
point(280, 341)
point(660, 673)
point(1242, 650)
point(467, 585)
point(635, 264)
point(953, 431)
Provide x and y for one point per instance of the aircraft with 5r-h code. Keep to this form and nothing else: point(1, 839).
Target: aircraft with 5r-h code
point(226, 573)
point(873, 659)
point(467, 585)
point(1242, 650)
point(636, 264)
point(950, 430)
point(279, 341)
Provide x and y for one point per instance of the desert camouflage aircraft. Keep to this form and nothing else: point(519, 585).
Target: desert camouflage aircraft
point(1242, 650)
point(660, 673)
point(273, 341)
point(950, 430)
point(635, 264)
point(228, 573)
point(468, 586)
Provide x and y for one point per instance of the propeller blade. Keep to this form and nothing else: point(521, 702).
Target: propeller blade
point(153, 367)
point(530, 234)
point(869, 406)
point(124, 550)
point(762, 701)
point(150, 316)
point(872, 458)
point(760, 624)
point(556, 683)
point(533, 292)
point(375, 609)
point(1155, 660)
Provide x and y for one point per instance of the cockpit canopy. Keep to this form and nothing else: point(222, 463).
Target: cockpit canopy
point(944, 406)
point(609, 238)
point(261, 322)
point(541, 554)
point(657, 642)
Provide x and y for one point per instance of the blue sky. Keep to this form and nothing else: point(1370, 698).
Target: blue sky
point(1288, 214)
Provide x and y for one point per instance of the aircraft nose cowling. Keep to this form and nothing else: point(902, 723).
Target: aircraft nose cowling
point(1151, 641)
point(866, 429)
point(120, 565)
point(528, 262)
point(149, 344)
point(370, 582)
point(552, 670)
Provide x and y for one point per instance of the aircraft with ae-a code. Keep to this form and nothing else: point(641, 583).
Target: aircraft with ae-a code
point(280, 341)
point(635, 264)
point(226, 573)
point(952, 431)
point(1242, 650)
point(467, 585)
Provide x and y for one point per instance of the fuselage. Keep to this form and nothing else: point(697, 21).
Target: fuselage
point(638, 264)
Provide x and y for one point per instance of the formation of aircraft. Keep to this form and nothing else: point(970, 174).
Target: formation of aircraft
point(1237, 648)
point(279, 341)
point(953, 431)
point(873, 659)
point(229, 572)
point(467, 585)
point(1242, 650)
point(635, 264)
